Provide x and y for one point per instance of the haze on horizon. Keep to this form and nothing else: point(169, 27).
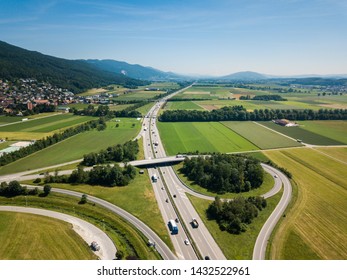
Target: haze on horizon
point(206, 37)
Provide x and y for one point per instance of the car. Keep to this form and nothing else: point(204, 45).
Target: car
point(167, 200)
point(207, 257)
point(176, 220)
point(174, 196)
point(276, 176)
point(186, 242)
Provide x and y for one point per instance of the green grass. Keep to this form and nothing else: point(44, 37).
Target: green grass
point(265, 187)
point(303, 134)
point(6, 119)
point(202, 137)
point(137, 198)
point(47, 124)
point(318, 218)
point(35, 237)
point(260, 136)
point(336, 130)
point(75, 147)
point(182, 105)
point(235, 247)
point(144, 109)
point(126, 238)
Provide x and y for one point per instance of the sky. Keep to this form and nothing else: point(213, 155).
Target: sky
point(205, 37)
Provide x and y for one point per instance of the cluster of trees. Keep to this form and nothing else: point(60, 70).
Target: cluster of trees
point(118, 153)
point(222, 173)
point(14, 188)
point(50, 140)
point(269, 97)
point(239, 113)
point(234, 215)
point(104, 110)
point(99, 175)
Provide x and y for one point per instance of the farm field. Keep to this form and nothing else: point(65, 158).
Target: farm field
point(75, 147)
point(300, 133)
point(260, 136)
point(47, 124)
point(34, 237)
point(182, 105)
point(235, 247)
point(138, 95)
point(316, 225)
point(144, 109)
point(6, 120)
point(202, 137)
point(336, 130)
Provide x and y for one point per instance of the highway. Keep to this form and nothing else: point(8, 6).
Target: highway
point(86, 230)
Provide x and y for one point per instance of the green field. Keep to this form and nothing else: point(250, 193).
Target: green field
point(336, 130)
point(5, 119)
point(75, 147)
point(46, 124)
point(305, 135)
point(202, 137)
point(144, 109)
point(260, 136)
point(318, 218)
point(35, 237)
point(182, 105)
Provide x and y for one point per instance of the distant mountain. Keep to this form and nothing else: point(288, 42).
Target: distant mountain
point(74, 75)
point(135, 71)
point(244, 76)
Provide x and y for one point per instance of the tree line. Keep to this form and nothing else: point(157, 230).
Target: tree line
point(234, 215)
point(221, 173)
point(118, 153)
point(99, 175)
point(51, 140)
point(239, 113)
point(14, 188)
point(268, 97)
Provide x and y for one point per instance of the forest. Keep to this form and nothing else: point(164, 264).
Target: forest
point(234, 215)
point(221, 173)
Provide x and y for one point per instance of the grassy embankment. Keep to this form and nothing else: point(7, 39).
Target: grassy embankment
point(35, 237)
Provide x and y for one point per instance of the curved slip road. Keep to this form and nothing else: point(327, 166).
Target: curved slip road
point(86, 230)
point(264, 235)
point(160, 246)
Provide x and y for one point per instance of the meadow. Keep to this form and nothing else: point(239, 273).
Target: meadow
point(35, 237)
point(182, 105)
point(260, 136)
point(75, 147)
point(315, 227)
point(303, 134)
point(202, 137)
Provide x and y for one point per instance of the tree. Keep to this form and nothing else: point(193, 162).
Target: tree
point(84, 199)
point(47, 189)
point(119, 255)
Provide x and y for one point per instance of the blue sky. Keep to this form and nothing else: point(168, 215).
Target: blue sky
point(214, 37)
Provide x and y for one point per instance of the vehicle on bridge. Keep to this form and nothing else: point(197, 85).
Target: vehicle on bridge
point(154, 178)
point(173, 227)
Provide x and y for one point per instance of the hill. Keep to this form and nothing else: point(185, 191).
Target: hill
point(244, 76)
point(135, 71)
point(75, 75)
